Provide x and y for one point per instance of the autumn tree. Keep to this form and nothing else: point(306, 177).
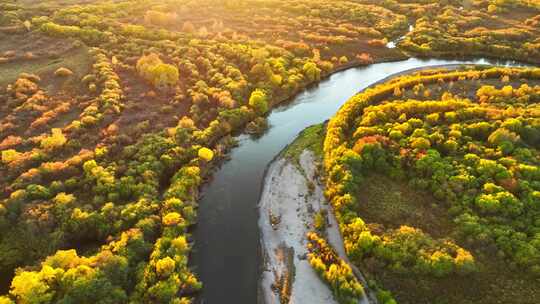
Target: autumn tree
point(206, 154)
point(312, 72)
point(159, 74)
point(258, 101)
point(56, 140)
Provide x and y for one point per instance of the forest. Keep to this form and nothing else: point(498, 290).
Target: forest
point(467, 142)
point(114, 114)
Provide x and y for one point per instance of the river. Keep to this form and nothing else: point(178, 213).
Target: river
point(226, 252)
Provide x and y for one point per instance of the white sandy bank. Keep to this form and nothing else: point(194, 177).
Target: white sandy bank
point(286, 214)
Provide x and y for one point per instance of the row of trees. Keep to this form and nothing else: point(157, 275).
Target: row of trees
point(408, 250)
point(332, 269)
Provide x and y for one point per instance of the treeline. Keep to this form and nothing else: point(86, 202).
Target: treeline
point(481, 31)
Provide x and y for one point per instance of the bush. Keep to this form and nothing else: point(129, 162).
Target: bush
point(172, 219)
point(420, 143)
point(165, 267)
point(63, 72)
point(9, 156)
point(56, 140)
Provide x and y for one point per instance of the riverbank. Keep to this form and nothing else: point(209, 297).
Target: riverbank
point(291, 198)
point(286, 215)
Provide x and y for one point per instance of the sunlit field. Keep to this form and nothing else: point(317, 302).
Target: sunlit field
point(116, 117)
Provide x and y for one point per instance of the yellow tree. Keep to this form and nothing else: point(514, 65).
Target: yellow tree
point(164, 75)
point(159, 74)
point(258, 101)
point(206, 154)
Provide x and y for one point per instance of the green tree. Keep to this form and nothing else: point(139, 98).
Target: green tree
point(502, 135)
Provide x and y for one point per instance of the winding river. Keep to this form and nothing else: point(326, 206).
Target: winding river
point(226, 251)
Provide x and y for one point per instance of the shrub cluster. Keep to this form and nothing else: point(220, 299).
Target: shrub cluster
point(332, 269)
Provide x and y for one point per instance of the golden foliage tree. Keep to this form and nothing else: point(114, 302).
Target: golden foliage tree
point(159, 74)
